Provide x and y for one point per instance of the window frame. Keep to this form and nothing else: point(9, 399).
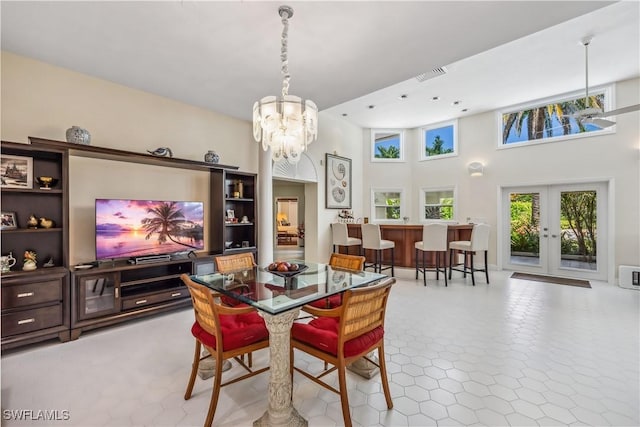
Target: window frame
point(454, 205)
point(401, 137)
point(609, 101)
point(372, 209)
point(439, 125)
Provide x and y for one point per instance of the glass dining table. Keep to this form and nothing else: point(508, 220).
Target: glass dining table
point(278, 297)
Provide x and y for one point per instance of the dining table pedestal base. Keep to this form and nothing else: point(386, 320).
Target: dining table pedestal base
point(281, 411)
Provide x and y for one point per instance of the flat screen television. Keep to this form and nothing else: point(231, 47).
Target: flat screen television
point(139, 228)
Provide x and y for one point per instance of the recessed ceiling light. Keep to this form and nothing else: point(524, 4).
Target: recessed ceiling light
point(464, 110)
point(371, 107)
point(435, 98)
point(404, 96)
point(344, 114)
point(456, 102)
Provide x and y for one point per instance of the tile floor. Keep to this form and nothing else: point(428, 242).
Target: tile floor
point(513, 353)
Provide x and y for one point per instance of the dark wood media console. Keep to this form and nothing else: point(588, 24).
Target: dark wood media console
point(63, 301)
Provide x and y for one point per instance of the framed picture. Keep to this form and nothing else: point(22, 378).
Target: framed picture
point(231, 214)
point(9, 221)
point(16, 171)
point(338, 185)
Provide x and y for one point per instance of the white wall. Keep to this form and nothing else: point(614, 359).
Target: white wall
point(613, 157)
point(42, 100)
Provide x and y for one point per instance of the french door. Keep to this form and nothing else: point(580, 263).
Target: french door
point(559, 230)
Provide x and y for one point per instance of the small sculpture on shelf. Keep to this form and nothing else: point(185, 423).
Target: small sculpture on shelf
point(32, 222)
point(46, 223)
point(46, 182)
point(49, 263)
point(29, 261)
point(161, 152)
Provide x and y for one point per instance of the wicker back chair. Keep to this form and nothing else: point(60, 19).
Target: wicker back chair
point(226, 264)
point(343, 334)
point(340, 261)
point(347, 262)
point(226, 333)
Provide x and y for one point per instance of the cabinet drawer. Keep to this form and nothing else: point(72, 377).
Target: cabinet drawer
point(31, 293)
point(144, 300)
point(31, 320)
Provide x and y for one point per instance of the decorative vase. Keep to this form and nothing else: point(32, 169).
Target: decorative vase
point(77, 135)
point(211, 157)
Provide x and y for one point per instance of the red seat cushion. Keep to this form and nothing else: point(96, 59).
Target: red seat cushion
point(238, 330)
point(322, 333)
point(333, 302)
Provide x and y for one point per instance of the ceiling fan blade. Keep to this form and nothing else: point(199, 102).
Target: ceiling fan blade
point(622, 110)
point(601, 123)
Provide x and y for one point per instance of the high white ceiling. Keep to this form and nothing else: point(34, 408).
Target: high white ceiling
point(345, 56)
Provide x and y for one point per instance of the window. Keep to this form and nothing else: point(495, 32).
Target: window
point(387, 145)
point(439, 140)
point(553, 119)
point(386, 205)
point(438, 204)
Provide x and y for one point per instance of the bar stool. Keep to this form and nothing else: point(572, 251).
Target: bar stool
point(434, 239)
point(479, 242)
point(371, 240)
point(340, 235)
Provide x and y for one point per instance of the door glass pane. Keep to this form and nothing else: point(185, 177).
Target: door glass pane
point(578, 229)
point(525, 228)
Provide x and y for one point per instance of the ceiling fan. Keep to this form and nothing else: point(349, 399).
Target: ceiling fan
point(594, 115)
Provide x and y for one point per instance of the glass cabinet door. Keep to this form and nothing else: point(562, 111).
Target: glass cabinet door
point(99, 295)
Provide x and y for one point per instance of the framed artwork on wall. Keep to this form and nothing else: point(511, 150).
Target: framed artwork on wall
point(16, 171)
point(338, 182)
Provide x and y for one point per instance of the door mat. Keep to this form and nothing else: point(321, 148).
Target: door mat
point(552, 279)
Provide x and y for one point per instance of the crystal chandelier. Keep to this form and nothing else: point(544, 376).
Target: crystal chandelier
point(287, 124)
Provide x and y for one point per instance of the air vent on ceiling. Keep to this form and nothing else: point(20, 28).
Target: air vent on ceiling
point(438, 71)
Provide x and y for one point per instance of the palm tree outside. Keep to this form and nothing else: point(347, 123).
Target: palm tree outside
point(549, 120)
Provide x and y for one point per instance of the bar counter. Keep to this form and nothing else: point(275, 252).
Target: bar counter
point(405, 236)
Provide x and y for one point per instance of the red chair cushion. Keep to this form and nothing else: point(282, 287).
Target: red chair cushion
point(322, 333)
point(238, 330)
point(334, 301)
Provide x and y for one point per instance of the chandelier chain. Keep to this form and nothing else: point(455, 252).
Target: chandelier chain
point(283, 54)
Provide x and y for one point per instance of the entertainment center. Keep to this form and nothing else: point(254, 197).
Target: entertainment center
point(62, 301)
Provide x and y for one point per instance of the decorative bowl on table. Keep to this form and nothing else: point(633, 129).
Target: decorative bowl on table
point(285, 268)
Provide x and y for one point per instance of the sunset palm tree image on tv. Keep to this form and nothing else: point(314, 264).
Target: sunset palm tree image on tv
point(139, 228)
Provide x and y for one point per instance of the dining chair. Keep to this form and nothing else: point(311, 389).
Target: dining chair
point(338, 261)
point(479, 242)
point(344, 334)
point(340, 237)
point(226, 264)
point(226, 333)
point(371, 239)
point(232, 264)
point(434, 239)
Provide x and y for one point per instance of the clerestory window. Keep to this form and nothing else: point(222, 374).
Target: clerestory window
point(555, 119)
